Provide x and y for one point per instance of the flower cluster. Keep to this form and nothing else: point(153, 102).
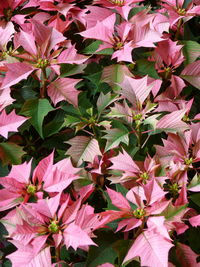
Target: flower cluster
point(99, 133)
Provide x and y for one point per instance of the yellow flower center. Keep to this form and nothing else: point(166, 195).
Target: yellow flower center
point(173, 189)
point(181, 11)
point(144, 176)
point(53, 227)
point(31, 189)
point(42, 63)
point(139, 213)
point(188, 161)
point(118, 2)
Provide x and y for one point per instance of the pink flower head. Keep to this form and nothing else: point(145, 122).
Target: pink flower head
point(47, 177)
point(177, 11)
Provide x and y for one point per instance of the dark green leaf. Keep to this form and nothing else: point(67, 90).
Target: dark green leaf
point(37, 109)
point(145, 67)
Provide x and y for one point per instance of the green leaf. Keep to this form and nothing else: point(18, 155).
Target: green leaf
point(90, 49)
point(104, 252)
point(196, 198)
point(195, 182)
point(145, 67)
point(71, 69)
point(171, 211)
point(115, 137)
point(11, 153)
point(109, 206)
point(3, 170)
point(135, 10)
point(191, 51)
point(107, 51)
point(37, 109)
point(26, 90)
point(71, 121)
point(121, 189)
point(103, 101)
point(55, 124)
point(121, 247)
point(114, 74)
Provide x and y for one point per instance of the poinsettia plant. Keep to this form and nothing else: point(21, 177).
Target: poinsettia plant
point(99, 133)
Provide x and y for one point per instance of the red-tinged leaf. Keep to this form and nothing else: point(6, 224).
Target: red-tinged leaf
point(191, 74)
point(16, 72)
point(83, 148)
point(186, 256)
point(75, 237)
point(11, 153)
point(152, 248)
point(195, 221)
point(173, 121)
point(64, 89)
point(10, 122)
point(118, 199)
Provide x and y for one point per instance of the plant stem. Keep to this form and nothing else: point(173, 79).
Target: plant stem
point(44, 83)
point(139, 231)
point(58, 254)
point(180, 22)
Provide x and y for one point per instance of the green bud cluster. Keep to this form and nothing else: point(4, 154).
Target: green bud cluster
point(139, 213)
point(42, 63)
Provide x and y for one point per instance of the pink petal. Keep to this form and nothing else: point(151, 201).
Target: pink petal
point(118, 199)
point(75, 237)
point(16, 72)
point(10, 122)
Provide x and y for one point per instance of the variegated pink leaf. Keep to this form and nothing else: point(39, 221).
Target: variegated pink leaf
point(152, 248)
point(24, 257)
point(191, 74)
point(195, 221)
point(83, 148)
point(118, 199)
point(135, 89)
point(16, 72)
point(173, 121)
point(64, 89)
point(75, 237)
point(10, 122)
